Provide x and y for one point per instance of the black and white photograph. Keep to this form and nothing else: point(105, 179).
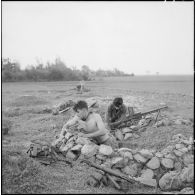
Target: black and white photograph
point(97, 97)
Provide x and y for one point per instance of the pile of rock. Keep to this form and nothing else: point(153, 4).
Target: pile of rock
point(62, 106)
point(134, 130)
point(170, 169)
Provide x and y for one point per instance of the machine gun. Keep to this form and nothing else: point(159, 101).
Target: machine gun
point(129, 120)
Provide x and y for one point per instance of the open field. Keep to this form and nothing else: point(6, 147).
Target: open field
point(23, 105)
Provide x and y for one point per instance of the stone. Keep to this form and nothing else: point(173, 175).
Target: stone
point(105, 150)
point(71, 155)
point(89, 150)
point(126, 130)
point(135, 135)
point(167, 150)
point(134, 128)
point(108, 162)
point(167, 163)
point(119, 162)
point(190, 147)
point(178, 153)
point(66, 147)
point(187, 174)
point(187, 142)
point(146, 153)
point(187, 190)
point(191, 140)
point(125, 149)
point(98, 161)
point(71, 139)
point(83, 141)
point(147, 181)
point(183, 150)
point(127, 155)
point(147, 173)
point(127, 136)
point(101, 157)
point(178, 166)
point(68, 135)
point(119, 135)
point(170, 181)
point(170, 156)
point(58, 142)
point(154, 163)
point(159, 155)
point(179, 146)
point(139, 158)
point(77, 147)
point(141, 122)
point(128, 170)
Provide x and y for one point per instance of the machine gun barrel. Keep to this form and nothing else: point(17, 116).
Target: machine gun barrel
point(139, 115)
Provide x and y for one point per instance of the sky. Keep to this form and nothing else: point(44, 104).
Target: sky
point(134, 37)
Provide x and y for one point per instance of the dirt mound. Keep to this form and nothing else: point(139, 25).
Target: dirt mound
point(28, 100)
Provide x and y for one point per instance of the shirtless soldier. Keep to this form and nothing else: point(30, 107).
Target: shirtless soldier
point(92, 125)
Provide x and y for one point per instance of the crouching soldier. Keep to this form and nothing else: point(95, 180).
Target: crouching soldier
point(116, 112)
point(91, 124)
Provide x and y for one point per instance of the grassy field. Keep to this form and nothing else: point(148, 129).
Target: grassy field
point(23, 107)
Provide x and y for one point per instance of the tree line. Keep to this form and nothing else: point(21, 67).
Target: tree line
point(55, 71)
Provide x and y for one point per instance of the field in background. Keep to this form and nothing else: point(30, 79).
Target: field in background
point(23, 105)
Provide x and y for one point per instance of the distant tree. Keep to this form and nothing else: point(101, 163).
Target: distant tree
point(10, 70)
point(52, 71)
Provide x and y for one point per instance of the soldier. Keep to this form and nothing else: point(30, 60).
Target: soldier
point(92, 125)
point(116, 112)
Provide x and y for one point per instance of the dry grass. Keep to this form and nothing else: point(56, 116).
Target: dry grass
point(20, 174)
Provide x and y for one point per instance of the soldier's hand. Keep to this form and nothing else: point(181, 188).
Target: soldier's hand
point(82, 125)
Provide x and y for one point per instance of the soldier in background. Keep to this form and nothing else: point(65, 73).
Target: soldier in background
point(116, 112)
point(81, 86)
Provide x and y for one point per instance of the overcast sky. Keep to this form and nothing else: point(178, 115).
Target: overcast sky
point(138, 37)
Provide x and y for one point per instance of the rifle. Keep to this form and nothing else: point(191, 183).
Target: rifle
point(136, 116)
point(116, 174)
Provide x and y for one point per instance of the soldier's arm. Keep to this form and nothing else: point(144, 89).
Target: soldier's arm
point(70, 123)
point(123, 116)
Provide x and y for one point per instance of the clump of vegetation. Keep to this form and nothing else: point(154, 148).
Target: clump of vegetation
point(6, 126)
point(55, 71)
point(20, 174)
